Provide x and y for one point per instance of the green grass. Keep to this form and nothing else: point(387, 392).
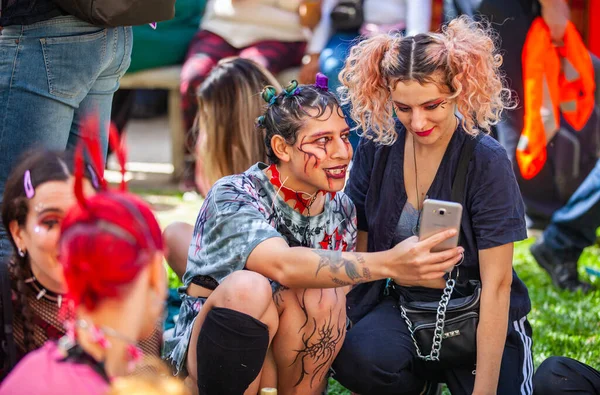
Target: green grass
point(563, 323)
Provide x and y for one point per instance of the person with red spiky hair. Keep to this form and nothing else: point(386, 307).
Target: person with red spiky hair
point(110, 247)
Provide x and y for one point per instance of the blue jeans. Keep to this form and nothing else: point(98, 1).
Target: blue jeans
point(52, 74)
point(573, 226)
point(331, 62)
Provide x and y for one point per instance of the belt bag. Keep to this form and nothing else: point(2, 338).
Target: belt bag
point(445, 332)
point(110, 13)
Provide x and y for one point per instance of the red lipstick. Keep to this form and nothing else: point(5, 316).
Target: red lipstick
point(424, 133)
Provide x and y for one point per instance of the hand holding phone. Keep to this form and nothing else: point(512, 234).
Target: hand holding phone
point(439, 215)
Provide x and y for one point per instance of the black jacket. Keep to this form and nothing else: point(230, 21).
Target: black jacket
point(26, 12)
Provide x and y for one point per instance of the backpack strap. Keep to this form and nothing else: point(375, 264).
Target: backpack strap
point(459, 187)
point(460, 178)
point(8, 342)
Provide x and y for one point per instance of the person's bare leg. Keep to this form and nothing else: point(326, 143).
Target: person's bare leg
point(312, 328)
point(178, 237)
point(245, 292)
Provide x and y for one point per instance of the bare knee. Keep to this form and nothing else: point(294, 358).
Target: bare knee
point(323, 303)
point(247, 292)
point(177, 237)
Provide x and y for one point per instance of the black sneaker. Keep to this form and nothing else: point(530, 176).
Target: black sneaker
point(563, 274)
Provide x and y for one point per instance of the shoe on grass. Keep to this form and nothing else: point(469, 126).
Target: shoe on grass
point(563, 274)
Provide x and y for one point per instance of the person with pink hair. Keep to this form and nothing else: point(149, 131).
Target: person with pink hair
point(423, 101)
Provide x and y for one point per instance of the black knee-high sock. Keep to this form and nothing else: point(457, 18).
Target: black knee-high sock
point(231, 351)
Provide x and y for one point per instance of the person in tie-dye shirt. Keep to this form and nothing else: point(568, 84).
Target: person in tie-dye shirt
point(272, 257)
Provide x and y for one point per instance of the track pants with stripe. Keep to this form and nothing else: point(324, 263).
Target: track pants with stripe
point(379, 357)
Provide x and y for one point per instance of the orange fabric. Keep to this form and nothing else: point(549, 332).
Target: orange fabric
point(594, 27)
point(542, 66)
point(582, 89)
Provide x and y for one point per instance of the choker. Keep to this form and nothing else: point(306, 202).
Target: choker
point(43, 292)
point(289, 194)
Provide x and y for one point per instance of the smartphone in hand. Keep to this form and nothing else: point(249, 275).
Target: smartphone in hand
point(439, 215)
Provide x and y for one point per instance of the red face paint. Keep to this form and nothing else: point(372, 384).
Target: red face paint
point(289, 194)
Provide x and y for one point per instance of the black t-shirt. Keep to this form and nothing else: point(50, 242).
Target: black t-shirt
point(27, 12)
point(493, 212)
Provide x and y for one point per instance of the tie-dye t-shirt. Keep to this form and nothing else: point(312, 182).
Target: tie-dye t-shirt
point(243, 210)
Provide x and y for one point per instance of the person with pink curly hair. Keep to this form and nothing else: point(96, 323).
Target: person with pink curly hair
point(422, 102)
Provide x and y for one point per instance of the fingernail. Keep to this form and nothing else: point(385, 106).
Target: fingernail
point(461, 250)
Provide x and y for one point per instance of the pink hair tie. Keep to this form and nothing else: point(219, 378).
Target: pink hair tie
point(27, 185)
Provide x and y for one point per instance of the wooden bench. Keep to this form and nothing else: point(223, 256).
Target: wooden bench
point(168, 78)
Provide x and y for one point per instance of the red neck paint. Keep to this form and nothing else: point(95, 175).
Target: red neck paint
point(301, 204)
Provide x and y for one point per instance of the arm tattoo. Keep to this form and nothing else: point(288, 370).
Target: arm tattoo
point(339, 282)
point(334, 261)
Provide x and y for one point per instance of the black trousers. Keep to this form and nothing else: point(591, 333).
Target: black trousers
point(560, 375)
point(379, 357)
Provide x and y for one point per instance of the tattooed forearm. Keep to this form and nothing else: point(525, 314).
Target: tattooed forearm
point(319, 348)
point(334, 261)
point(339, 282)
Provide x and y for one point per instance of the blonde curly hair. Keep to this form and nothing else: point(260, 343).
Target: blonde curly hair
point(464, 53)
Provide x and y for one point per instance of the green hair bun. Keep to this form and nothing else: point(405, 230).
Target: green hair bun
point(269, 93)
point(291, 87)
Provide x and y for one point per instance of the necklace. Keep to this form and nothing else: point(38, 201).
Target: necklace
point(302, 203)
point(43, 292)
point(99, 336)
point(415, 229)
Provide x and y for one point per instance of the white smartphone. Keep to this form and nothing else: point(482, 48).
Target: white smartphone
point(439, 215)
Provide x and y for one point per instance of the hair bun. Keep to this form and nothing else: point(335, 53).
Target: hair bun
point(269, 94)
point(291, 87)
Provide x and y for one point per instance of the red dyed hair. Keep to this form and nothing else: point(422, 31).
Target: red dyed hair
point(107, 239)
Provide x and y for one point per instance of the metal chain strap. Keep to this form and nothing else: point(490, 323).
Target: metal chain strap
point(438, 333)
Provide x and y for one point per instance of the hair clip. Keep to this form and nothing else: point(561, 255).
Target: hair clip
point(322, 82)
point(27, 185)
point(260, 121)
point(93, 176)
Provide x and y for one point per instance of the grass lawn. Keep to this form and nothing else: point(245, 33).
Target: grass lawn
point(563, 323)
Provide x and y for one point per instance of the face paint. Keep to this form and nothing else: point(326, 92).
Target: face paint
point(314, 150)
point(425, 110)
point(42, 230)
point(301, 203)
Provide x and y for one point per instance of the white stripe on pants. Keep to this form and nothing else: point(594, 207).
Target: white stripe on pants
point(526, 385)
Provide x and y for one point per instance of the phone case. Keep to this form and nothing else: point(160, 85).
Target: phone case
point(439, 215)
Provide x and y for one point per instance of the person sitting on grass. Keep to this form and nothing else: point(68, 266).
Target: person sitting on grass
point(405, 93)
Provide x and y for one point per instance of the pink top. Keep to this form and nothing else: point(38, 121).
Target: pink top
point(42, 372)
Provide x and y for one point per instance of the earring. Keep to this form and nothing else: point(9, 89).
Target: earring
point(21, 252)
